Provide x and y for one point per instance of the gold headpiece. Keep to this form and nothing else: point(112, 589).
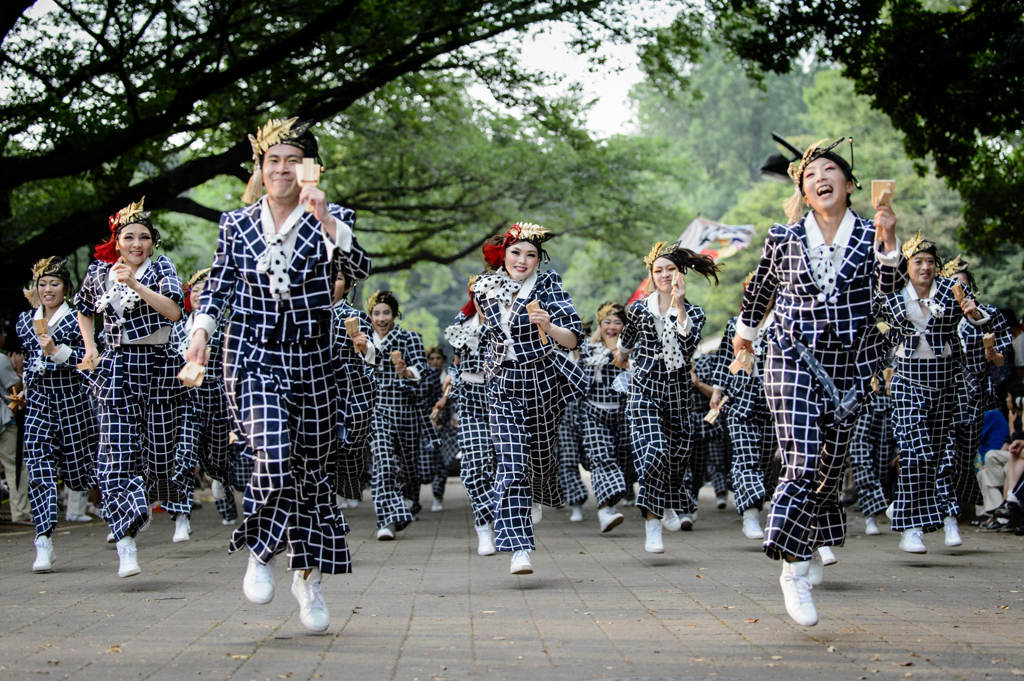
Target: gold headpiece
point(127, 215)
point(749, 278)
point(917, 244)
point(531, 232)
point(953, 267)
point(661, 248)
point(373, 300)
point(199, 276)
point(274, 131)
point(608, 309)
point(48, 267)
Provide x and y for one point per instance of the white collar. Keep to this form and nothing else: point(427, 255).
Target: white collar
point(528, 285)
point(911, 292)
point(61, 311)
point(139, 273)
point(815, 239)
point(654, 306)
point(378, 341)
point(267, 218)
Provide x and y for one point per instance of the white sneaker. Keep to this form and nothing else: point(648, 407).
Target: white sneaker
point(353, 503)
point(796, 590)
point(111, 540)
point(127, 552)
point(225, 521)
point(44, 554)
point(815, 571)
point(218, 490)
point(670, 520)
point(437, 506)
point(888, 510)
point(537, 513)
point(386, 533)
point(952, 532)
point(686, 521)
point(521, 563)
point(73, 518)
point(827, 557)
point(722, 502)
point(653, 544)
point(308, 592)
point(912, 541)
point(577, 514)
point(182, 528)
point(342, 502)
point(258, 584)
point(609, 518)
point(751, 525)
point(871, 526)
point(485, 540)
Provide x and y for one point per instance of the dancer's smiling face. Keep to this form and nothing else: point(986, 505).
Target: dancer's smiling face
point(921, 269)
point(135, 243)
point(661, 272)
point(521, 259)
point(611, 327)
point(825, 186)
point(193, 296)
point(382, 318)
point(278, 169)
point(51, 291)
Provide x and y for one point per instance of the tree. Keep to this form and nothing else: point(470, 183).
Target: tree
point(119, 99)
point(948, 76)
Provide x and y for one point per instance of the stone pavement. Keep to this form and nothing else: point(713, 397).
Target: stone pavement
point(426, 607)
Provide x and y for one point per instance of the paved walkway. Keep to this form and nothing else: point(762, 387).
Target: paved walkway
point(427, 607)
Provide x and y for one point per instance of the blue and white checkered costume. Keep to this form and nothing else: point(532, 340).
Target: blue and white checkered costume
point(712, 449)
point(440, 443)
point(61, 434)
point(280, 383)
point(357, 392)
point(602, 421)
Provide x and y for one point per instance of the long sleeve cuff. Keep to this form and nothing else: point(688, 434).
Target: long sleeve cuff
point(745, 332)
point(62, 354)
point(892, 258)
point(415, 374)
point(685, 325)
point(371, 354)
point(343, 239)
point(985, 318)
point(206, 323)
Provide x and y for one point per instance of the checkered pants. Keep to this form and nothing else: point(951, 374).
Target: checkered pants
point(527, 402)
point(61, 437)
point(753, 453)
point(966, 440)
point(448, 448)
point(353, 450)
point(397, 461)
point(244, 464)
point(662, 440)
point(203, 439)
point(806, 512)
point(570, 456)
point(871, 450)
point(283, 399)
point(924, 396)
point(606, 443)
point(138, 399)
point(478, 458)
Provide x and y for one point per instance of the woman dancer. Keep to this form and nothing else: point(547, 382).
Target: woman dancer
point(135, 378)
point(474, 434)
point(60, 424)
point(355, 358)
point(664, 330)
point(204, 421)
point(602, 415)
point(821, 273)
point(398, 419)
point(530, 378)
point(442, 434)
point(925, 318)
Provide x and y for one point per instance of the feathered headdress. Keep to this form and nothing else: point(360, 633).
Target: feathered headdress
point(384, 298)
point(660, 249)
point(794, 204)
point(197, 278)
point(48, 267)
point(276, 131)
point(918, 244)
point(611, 308)
point(953, 267)
point(494, 249)
point(132, 214)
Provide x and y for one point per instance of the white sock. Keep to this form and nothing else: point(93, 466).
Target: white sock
point(1011, 497)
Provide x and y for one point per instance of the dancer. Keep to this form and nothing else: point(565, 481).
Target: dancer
point(60, 424)
point(399, 422)
point(135, 378)
point(664, 330)
point(443, 434)
point(821, 273)
point(975, 387)
point(474, 434)
point(750, 425)
point(204, 423)
point(272, 277)
point(529, 381)
point(712, 451)
point(602, 415)
point(355, 357)
point(924, 317)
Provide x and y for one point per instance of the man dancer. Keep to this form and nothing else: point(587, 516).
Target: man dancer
point(273, 275)
point(823, 347)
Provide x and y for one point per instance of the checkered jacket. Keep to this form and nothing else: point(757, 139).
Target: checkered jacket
point(746, 393)
point(348, 358)
point(642, 338)
point(469, 361)
point(941, 329)
point(802, 310)
point(38, 367)
point(971, 338)
point(235, 283)
point(143, 319)
point(410, 345)
point(600, 378)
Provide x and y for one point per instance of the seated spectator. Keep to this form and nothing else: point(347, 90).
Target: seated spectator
point(1001, 470)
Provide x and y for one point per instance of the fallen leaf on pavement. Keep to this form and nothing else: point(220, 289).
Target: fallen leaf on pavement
point(751, 621)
